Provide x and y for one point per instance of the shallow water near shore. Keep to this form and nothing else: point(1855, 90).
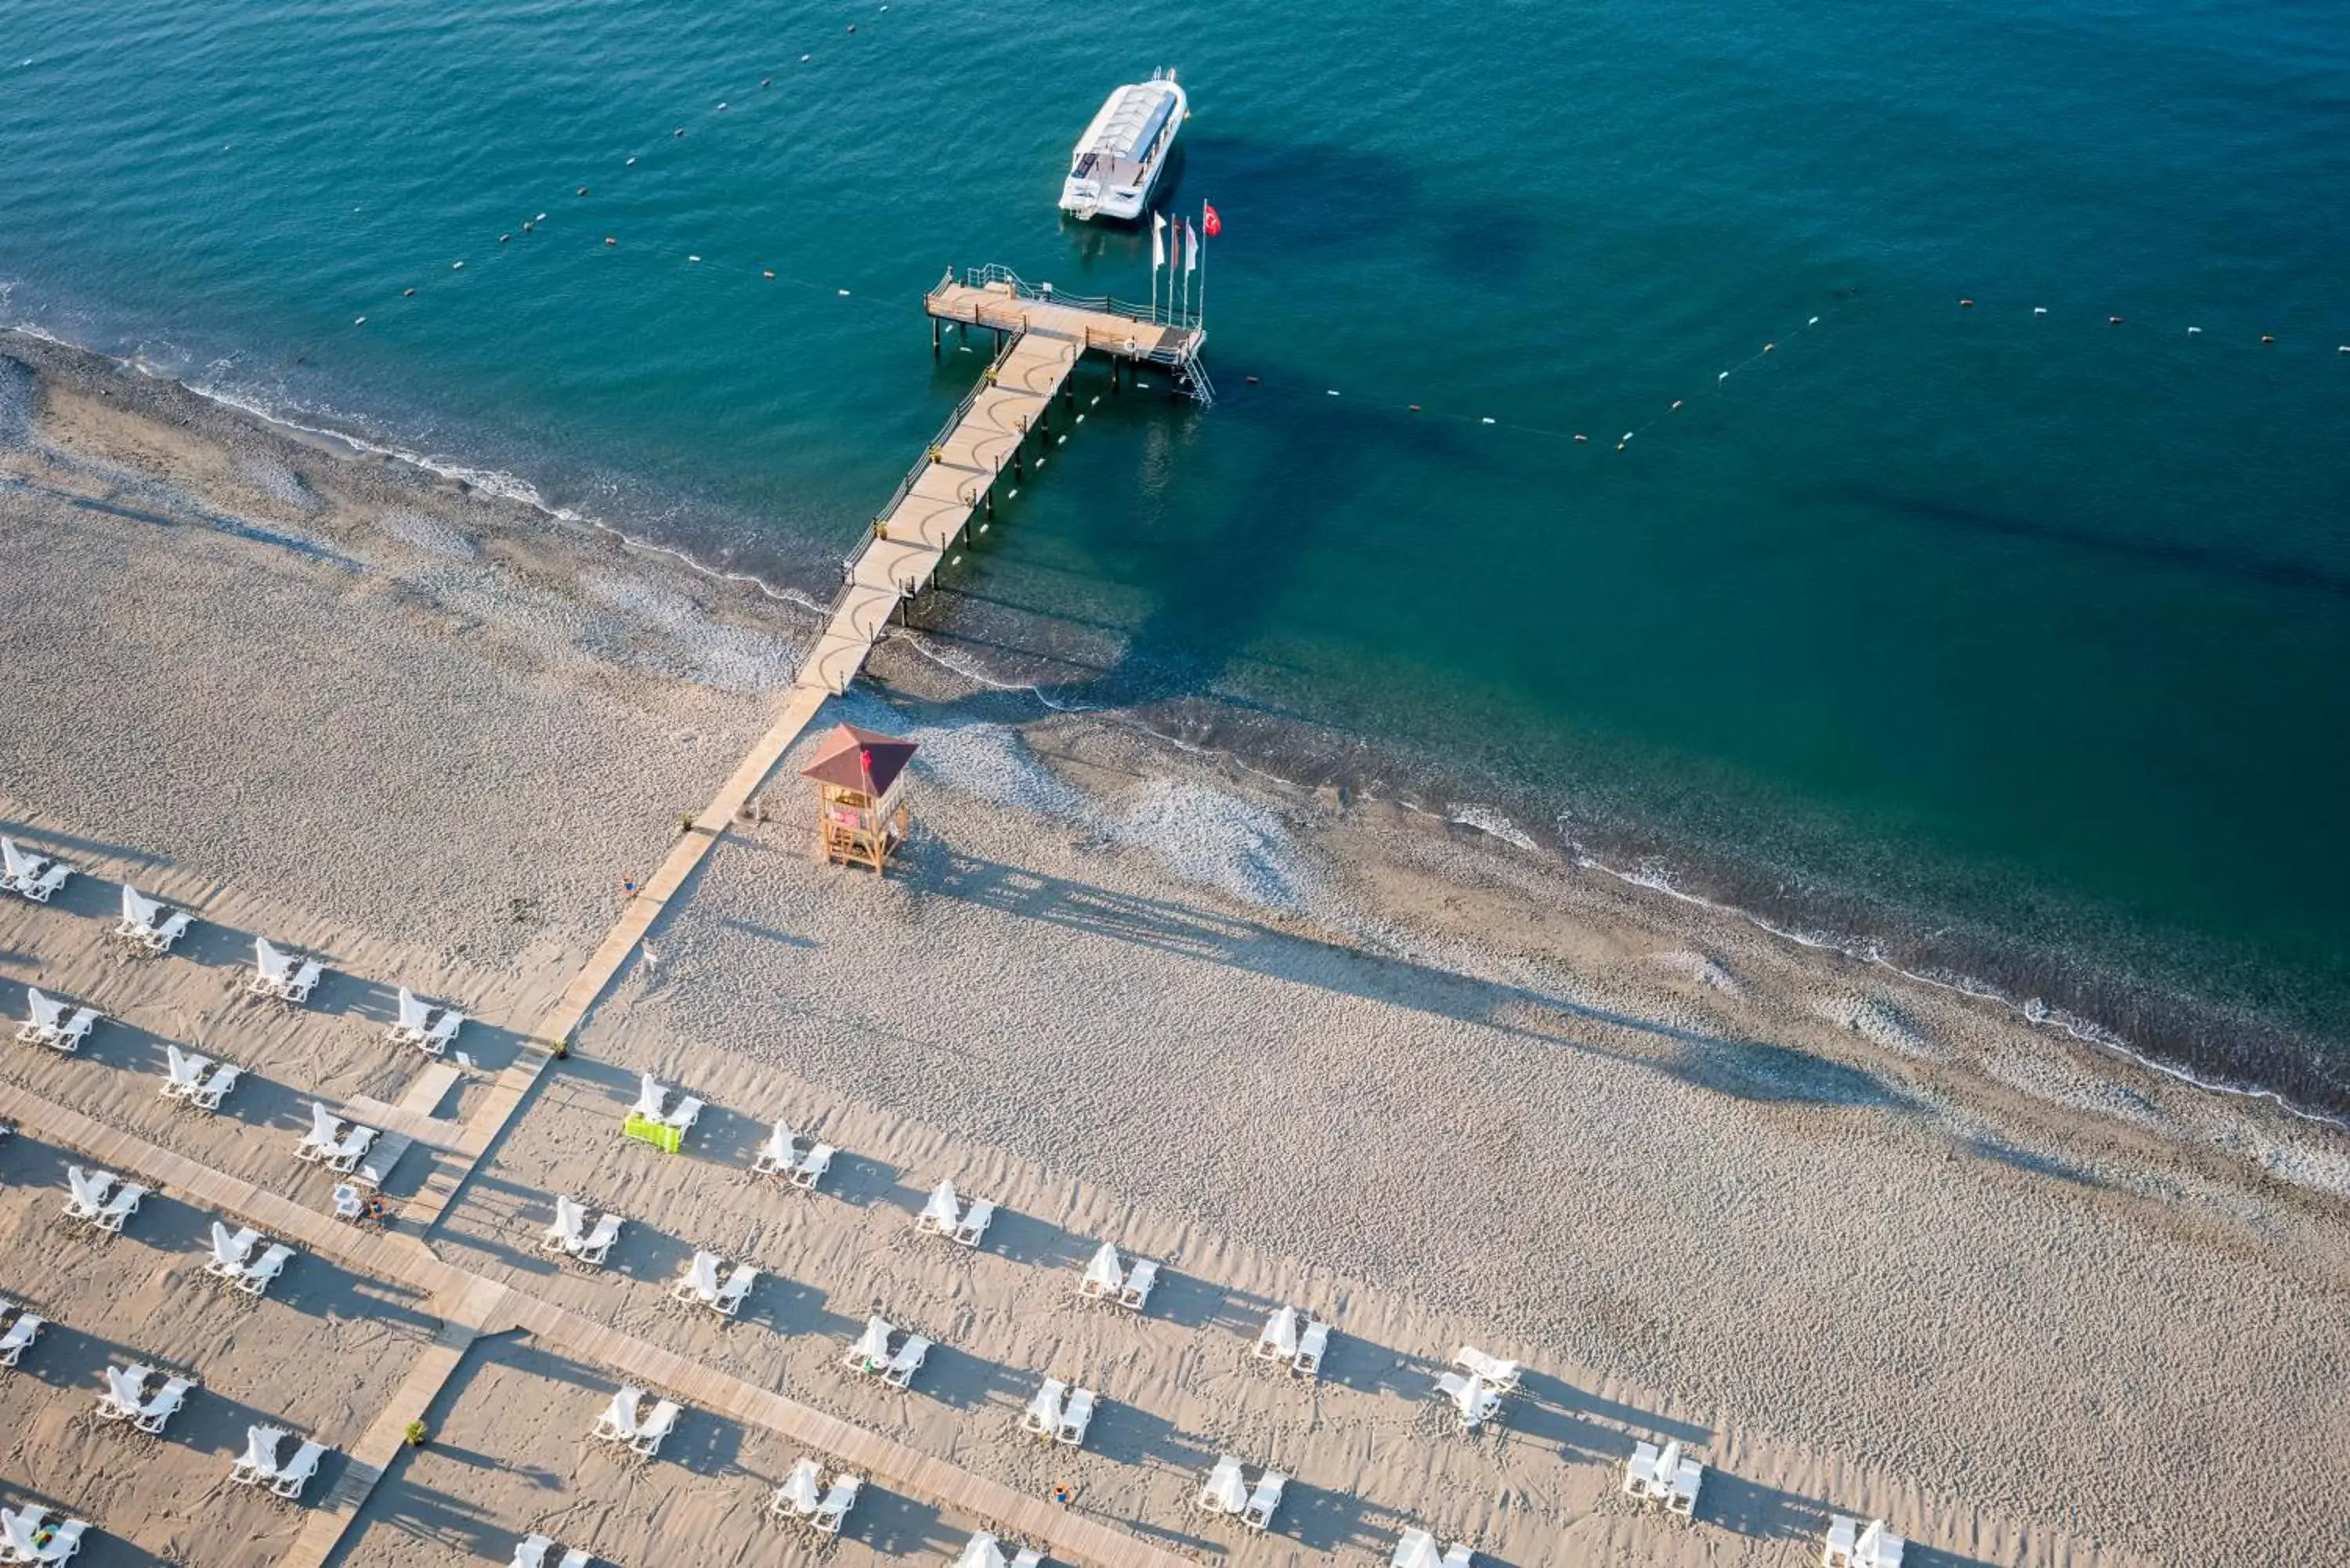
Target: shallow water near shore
point(2020, 642)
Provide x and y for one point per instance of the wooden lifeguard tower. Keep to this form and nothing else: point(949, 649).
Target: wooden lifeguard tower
point(860, 795)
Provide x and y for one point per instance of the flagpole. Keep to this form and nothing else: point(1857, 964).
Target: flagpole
point(1203, 265)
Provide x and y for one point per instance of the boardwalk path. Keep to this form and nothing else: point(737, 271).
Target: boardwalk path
point(473, 1305)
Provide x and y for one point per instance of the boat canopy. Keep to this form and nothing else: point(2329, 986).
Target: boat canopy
point(1130, 132)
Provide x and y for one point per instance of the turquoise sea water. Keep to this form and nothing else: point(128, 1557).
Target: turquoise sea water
point(2020, 642)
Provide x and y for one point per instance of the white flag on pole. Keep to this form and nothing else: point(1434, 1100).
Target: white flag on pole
point(1158, 241)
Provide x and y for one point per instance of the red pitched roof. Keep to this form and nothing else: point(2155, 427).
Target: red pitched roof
point(859, 760)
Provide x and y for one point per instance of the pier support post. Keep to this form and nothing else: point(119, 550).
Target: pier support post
point(935, 337)
point(1069, 391)
point(987, 503)
point(1115, 367)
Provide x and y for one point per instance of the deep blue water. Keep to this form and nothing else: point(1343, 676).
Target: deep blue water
point(2022, 641)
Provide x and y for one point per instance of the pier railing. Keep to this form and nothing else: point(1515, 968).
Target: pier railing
point(1108, 305)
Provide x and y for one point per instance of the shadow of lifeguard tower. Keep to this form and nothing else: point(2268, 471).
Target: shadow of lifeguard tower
point(860, 790)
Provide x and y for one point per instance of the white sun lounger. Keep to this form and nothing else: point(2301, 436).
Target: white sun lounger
point(86, 1191)
point(872, 1351)
point(568, 1233)
point(684, 1114)
point(655, 1426)
point(19, 865)
point(162, 1406)
point(47, 882)
point(699, 1281)
point(408, 1029)
point(900, 1373)
point(797, 1498)
point(1074, 1418)
point(1307, 1362)
point(298, 1469)
point(1474, 1399)
point(259, 1461)
point(183, 1073)
point(306, 981)
point(126, 1392)
point(578, 1557)
point(345, 1156)
point(618, 1423)
point(348, 1205)
point(1501, 1375)
point(1664, 1477)
point(144, 922)
point(650, 1097)
point(207, 1095)
point(45, 1018)
point(256, 1277)
point(1139, 1281)
point(837, 1501)
point(943, 1213)
point(1278, 1341)
point(812, 1167)
point(325, 1132)
point(1028, 1557)
point(1043, 1417)
point(974, 1228)
point(1415, 1549)
point(273, 971)
point(980, 1552)
point(436, 1040)
point(776, 1157)
point(1103, 1279)
point(1878, 1548)
point(229, 1251)
point(1223, 1491)
point(118, 1208)
point(20, 1333)
point(728, 1303)
point(531, 1550)
point(76, 1030)
point(1835, 1552)
point(1262, 1501)
point(597, 1245)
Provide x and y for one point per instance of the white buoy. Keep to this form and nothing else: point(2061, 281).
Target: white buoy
point(359, 321)
point(1332, 393)
point(1629, 434)
point(2194, 332)
point(844, 293)
point(1723, 377)
point(694, 258)
point(456, 267)
point(631, 163)
point(1487, 420)
point(1814, 321)
point(2039, 310)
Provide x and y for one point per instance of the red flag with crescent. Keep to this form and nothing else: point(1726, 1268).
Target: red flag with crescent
point(1209, 224)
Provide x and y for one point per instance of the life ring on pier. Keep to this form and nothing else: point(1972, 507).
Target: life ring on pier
point(1131, 346)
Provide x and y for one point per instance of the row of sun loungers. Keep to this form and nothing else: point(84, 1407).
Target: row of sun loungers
point(1283, 1340)
point(234, 1262)
point(27, 1536)
point(1667, 1477)
point(1060, 1419)
point(945, 1215)
point(259, 1463)
point(22, 1330)
point(531, 1552)
point(277, 974)
point(418, 1026)
point(1223, 1493)
point(806, 1499)
point(47, 1022)
point(34, 876)
point(126, 1397)
point(197, 1081)
point(1105, 1280)
point(146, 926)
point(334, 1142)
point(981, 1551)
point(626, 1420)
point(1850, 1545)
point(782, 1156)
point(101, 1198)
point(700, 1283)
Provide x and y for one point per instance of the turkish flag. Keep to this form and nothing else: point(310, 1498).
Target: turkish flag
point(1209, 224)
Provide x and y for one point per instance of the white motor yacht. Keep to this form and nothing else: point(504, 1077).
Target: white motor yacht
point(1118, 160)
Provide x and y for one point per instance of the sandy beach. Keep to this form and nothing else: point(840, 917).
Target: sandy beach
point(1863, 1244)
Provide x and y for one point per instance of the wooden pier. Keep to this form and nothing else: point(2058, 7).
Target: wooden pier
point(1040, 338)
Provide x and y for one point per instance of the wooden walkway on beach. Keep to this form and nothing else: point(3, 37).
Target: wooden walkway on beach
point(1043, 338)
point(471, 1306)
